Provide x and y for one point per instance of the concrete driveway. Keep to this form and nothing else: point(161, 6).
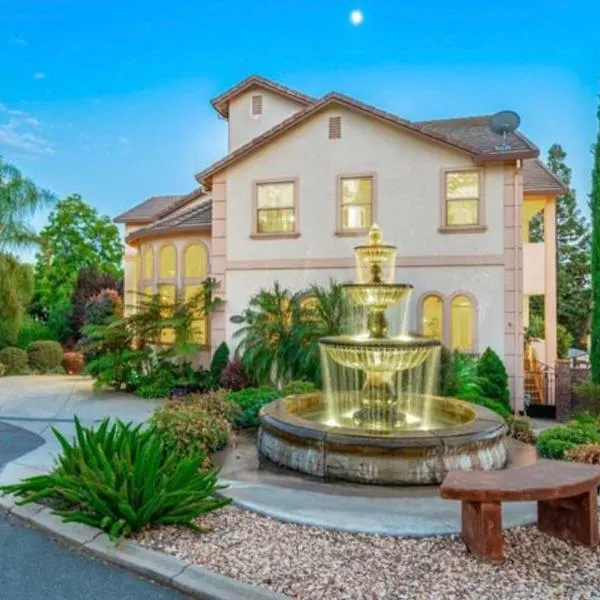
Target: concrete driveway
point(39, 402)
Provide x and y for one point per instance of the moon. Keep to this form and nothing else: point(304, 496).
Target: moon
point(356, 17)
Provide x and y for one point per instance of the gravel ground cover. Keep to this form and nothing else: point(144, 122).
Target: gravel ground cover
point(310, 563)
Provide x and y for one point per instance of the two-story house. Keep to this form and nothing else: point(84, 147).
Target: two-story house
point(304, 179)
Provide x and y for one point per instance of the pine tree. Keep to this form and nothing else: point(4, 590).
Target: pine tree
point(573, 253)
point(595, 210)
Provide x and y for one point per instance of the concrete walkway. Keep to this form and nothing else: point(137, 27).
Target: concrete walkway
point(38, 403)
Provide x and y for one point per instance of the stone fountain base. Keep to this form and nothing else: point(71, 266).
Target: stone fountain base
point(411, 457)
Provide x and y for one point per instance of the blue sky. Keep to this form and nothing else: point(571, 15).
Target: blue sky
point(110, 99)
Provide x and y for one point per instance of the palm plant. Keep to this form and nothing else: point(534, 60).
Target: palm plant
point(269, 340)
point(19, 199)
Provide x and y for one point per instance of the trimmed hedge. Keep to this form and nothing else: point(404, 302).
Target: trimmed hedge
point(218, 363)
point(15, 360)
point(555, 442)
point(44, 356)
point(250, 401)
point(493, 377)
point(2, 370)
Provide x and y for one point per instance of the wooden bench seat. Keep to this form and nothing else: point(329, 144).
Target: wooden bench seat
point(565, 494)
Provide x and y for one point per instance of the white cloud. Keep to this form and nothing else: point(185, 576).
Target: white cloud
point(124, 141)
point(16, 133)
point(17, 40)
point(39, 75)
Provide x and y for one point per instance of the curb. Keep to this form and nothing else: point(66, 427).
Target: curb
point(193, 580)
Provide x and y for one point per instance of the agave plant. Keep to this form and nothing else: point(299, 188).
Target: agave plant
point(120, 478)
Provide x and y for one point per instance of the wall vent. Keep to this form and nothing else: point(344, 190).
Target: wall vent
point(335, 128)
point(257, 105)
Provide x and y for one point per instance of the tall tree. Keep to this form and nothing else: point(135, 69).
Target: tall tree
point(75, 238)
point(595, 210)
point(573, 253)
point(19, 199)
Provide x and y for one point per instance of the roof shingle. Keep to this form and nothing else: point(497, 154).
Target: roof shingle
point(198, 217)
point(146, 211)
point(538, 178)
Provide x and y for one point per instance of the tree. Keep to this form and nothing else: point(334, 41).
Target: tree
point(595, 210)
point(76, 237)
point(19, 199)
point(573, 253)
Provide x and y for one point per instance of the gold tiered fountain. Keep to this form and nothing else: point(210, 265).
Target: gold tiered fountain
point(377, 419)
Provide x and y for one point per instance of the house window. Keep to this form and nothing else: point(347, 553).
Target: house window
point(167, 263)
point(276, 207)
point(257, 105)
point(166, 292)
point(335, 128)
point(199, 323)
point(462, 323)
point(194, 261)
point(432, 317)
point(148, 262)
point(462, 195)
point(356, 203)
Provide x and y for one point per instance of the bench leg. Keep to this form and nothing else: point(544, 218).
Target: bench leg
point(573, 519)
point(482, 530)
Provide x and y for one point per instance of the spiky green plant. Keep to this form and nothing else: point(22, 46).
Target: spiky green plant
point(120, 478)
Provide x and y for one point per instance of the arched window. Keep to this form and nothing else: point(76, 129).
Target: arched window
point(462, 323)
point(167, 262)
point(194, 261)
point(148, 263)
point(200, 323)
point(432, 317)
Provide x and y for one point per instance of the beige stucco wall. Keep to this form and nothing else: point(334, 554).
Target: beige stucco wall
point(243, 126)
point(408, 182)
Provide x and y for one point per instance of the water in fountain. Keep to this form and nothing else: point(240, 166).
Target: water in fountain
point(376, 377)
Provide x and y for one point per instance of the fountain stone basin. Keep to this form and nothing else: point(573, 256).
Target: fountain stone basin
point(294, 433)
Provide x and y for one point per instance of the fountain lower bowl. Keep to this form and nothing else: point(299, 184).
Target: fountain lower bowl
point(294, 433)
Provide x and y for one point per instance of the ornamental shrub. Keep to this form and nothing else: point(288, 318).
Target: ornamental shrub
point(234, 376)
point(157, 385)
point(250, 401)
point(586, 453)
point(495, 405)
point(14, 360)
point(2, 370)
point(493, 377)
point(103, 306)
point(122, 478)
point(44, 356)
point(216, 402)
point(218, 363)
point(299, 387)
point(189, 426)
point(554, 442)
point(520, 429)
point(33, 330)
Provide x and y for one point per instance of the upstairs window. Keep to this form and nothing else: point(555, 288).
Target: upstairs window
point(356, 203)
point(462, 198)
point(276, 207)
point(257, 105)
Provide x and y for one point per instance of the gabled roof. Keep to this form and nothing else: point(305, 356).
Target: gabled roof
point(539, 179)
point(196, 218)
point(181, 202)
point(468, 138)
point(146, 211)
point(221, 102)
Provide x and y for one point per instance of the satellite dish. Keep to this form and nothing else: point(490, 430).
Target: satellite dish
point(503, 123)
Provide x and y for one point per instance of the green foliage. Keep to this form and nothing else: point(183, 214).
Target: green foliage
point(279, 341)
point(158, 385)
point(14, 360)
point(16, 291)
point(33, 330)
point(495, 405)
point(460, 378)
point(564, 341)
point(218, 363)
point(493, 378)
point(554, 442)
point(595, 211)
point(198, 423)
point(250, 401)
point(520, 429)
point(447, 382)
point(121, 479)
point(536, 328)
point(75, 238)
point(104, 305)
point(2, 370)
point(590, 391)
point(44, 356)
point(299, 387)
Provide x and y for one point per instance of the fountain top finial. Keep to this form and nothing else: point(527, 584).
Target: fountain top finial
point(375, 235)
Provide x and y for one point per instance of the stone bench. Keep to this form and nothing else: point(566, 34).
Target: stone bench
point(565, 494)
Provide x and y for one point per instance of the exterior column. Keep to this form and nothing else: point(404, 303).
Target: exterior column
point(218, 258)
point(550, 299)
